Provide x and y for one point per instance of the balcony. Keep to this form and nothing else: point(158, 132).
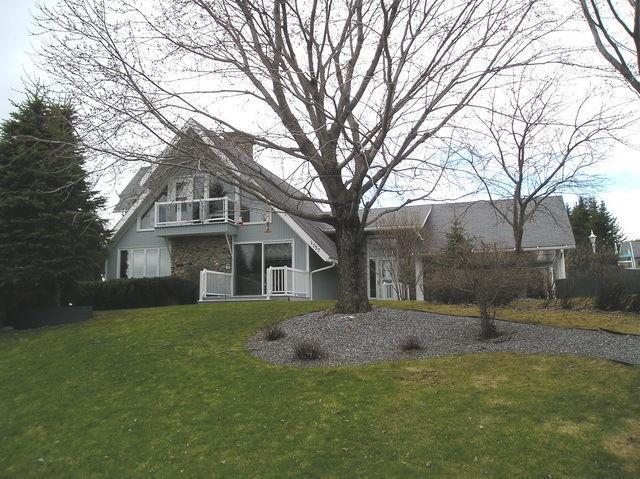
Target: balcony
point(189, 212)
point(201, 216)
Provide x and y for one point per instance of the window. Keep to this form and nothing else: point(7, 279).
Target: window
point(144, 262)
point(245, 214)
point(372, 278)
point(147, 220)
point(182, 190)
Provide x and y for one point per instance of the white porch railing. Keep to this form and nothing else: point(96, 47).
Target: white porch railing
point(285, 281)
point(206, 210)
point(214, 284)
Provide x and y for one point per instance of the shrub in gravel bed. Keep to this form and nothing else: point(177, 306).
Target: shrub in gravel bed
point(307, 351)
point(273, 333)
point(410, 343)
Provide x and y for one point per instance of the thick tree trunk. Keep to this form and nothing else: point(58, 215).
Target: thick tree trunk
point(352, 268)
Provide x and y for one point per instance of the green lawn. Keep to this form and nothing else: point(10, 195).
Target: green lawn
point(171, 392)
point(535, 312)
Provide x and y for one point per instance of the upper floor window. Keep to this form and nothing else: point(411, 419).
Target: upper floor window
point(147, 219)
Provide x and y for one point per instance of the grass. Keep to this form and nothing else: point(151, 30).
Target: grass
point(172, 392)
point(535, 312)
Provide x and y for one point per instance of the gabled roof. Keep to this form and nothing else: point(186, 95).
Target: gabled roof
point(132, 191)
point(549, 228)
point(133, 195)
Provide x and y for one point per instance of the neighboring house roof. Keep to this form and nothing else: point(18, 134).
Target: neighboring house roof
point(549, 228)
point(409, 216)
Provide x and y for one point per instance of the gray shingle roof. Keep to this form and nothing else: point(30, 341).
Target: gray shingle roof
point(131, 192)
point(548, 228)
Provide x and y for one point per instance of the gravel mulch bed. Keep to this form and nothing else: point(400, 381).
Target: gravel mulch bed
point(378, 335)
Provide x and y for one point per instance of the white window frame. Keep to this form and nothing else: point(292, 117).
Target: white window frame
point(152, 209)
point(156, 248)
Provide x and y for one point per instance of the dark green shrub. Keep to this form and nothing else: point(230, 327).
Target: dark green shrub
point(307, 351)
point(445, 292)
point(566, 303)
point(273, 333)
point(410, 343)
point(537, 284)
point(135, 293)
point(632, 303)
point(609, 295)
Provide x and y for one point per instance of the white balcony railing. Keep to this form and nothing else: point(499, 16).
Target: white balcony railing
point(285, 281)
point(214, 284)
point(188, 212)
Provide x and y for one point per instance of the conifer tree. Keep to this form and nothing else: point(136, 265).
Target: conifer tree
point(50, 232)
point(588, 215)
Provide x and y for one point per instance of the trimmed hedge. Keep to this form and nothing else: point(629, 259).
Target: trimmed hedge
point(587, 284)
point(135, 293)
point(611, 288)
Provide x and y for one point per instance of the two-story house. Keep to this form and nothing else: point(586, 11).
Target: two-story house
point(180, 218)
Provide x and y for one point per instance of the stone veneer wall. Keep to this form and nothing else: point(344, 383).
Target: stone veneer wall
point(192, 254)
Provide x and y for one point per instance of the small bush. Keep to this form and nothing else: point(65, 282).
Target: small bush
point(273, 333)
point(609, 295)
point(307, 351)
point(135, 293)
point(410, 343)
point(632, 303)
point(566, 303)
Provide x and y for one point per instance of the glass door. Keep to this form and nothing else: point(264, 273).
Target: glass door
point(276, 254)
point(248, 269)
point(381, 281)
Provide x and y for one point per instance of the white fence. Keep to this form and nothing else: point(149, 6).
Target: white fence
point(285, 281)
point(214, 284)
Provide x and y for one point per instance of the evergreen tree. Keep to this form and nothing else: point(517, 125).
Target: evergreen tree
point(50, 232)
point(588, 215)
point(585, 216)
point(459, 245)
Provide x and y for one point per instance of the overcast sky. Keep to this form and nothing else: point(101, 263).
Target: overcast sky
point(622, 170)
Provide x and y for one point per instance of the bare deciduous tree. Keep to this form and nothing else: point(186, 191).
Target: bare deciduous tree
point(484, 274)
point(534, 145)
point(615, 26)
point(350, 96)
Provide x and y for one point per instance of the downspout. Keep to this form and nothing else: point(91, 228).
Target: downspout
point(311, 277)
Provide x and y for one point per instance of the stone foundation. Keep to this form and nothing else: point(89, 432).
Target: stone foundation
point(192, 254)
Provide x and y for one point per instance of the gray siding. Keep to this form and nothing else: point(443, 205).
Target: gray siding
point(132, 238)
point(324, 283)
point(279, 231)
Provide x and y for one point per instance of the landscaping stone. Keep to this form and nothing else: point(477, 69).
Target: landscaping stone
point(377, 336)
